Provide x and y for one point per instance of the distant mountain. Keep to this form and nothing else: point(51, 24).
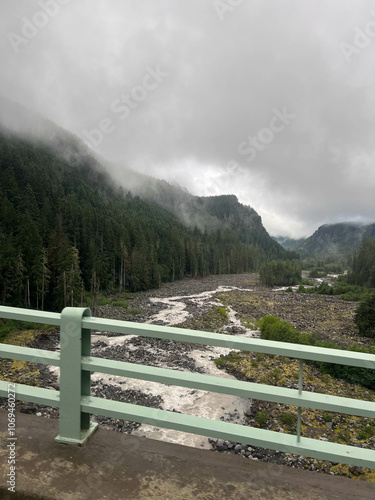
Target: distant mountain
point(288, 243)
point(67, 227)
point(339, 239)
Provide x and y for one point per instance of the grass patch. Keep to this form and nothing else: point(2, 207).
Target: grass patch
point(250, 325)
point(120, 303)
point(222, 311)
point(288, 419)
point(112, 301)
point(209, 321)
point(134, 311)
point(224, 360)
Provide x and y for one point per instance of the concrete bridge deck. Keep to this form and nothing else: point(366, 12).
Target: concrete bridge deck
point(117, 466)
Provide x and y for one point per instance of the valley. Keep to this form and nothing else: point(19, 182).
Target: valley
point(227, 304)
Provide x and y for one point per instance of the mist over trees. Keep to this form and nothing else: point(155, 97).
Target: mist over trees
point(65, 229)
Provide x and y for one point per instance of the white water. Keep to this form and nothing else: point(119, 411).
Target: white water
point(176, 312)
point(184, 400)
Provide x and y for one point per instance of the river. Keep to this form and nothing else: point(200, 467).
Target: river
point(169, 311)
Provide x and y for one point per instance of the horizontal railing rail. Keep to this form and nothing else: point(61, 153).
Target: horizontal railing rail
point(76, 403)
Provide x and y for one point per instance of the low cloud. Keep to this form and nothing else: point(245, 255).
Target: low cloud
point(86, 69)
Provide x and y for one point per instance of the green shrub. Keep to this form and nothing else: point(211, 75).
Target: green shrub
point(120, 303)
point(367, 432)
point(261, 418)
point(287, 419)
point(344, 436)
point(272, 328)
point(103, 300)
point(134, 311)
point(350, 296)
point(306, 282)
point(324, 289)
point(327, 417)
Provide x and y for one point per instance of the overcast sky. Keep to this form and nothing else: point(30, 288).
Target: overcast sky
point(271, 100)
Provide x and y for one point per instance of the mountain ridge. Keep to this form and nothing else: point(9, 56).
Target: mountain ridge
point(66, 227)
point(331, 240)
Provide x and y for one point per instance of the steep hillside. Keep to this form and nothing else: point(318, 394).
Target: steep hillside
point(332, 240)
point(206, 213)
point(67, 228)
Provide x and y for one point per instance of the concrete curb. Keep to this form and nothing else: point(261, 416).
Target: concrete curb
point(112, 466)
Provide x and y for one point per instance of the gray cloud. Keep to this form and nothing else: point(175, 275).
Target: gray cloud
point(222, 73)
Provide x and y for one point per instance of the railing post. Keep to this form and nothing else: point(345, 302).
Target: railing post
point(75, 342)
point(299, 411)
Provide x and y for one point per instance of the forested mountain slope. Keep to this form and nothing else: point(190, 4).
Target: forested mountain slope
point(65, 227)
point(206, 213)
point(335, 240)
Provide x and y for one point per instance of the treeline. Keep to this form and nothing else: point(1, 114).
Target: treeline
point(363, 274)
point(363, 268)
point(65, 229)
point(346, 291)
point(281, 272)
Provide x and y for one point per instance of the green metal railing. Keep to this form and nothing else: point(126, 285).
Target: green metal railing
point(76, 404)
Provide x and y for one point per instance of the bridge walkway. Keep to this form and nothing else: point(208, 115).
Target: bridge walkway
point(114, 466)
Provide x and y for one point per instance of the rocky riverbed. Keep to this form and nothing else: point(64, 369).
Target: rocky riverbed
point(227, 304)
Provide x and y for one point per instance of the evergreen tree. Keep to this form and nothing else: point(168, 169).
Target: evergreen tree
point(65, 227)
point(365, 315)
